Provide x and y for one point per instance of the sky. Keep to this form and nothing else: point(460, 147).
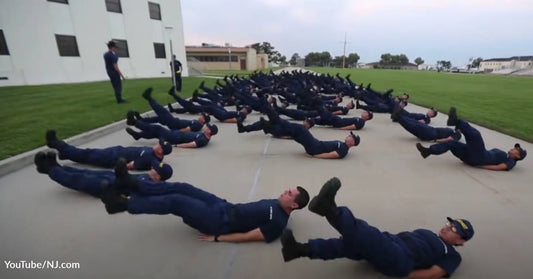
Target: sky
point(451, 30)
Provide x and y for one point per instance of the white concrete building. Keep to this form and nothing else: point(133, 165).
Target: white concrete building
point(63, 41)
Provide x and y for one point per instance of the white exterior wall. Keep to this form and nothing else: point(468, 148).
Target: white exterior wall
point(30, 26)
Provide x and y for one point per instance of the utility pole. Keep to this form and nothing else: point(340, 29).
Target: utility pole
point(344, 52)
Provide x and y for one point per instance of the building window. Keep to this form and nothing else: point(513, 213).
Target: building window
point(159, 49)
point(3, 44)
point(113, 6)
point(155, 11)
point(122, 48)
point(67, 45)
point(59, 1)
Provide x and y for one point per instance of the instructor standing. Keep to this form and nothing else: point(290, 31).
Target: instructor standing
point(176, 67)
point(111, 66)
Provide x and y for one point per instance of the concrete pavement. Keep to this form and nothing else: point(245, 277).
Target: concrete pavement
point(385, 181)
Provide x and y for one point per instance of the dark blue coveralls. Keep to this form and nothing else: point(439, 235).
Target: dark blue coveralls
point(423, 131)
point(327, 118)
point(313, 146)
point(473, 153)
point(87, 181)
point(151, 131)
point(188, 106)
point(216, 110)
point(142, 157)
point(177, 74)
point(206, 212)
point(296, 113)
point(165, 117)
point(393, 255)
point(111, 58)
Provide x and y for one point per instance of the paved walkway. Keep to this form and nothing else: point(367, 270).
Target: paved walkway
point(385, 181)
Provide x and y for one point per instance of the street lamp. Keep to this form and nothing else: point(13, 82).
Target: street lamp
point(168, 30)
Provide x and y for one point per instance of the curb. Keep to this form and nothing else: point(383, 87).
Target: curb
point(25, 159)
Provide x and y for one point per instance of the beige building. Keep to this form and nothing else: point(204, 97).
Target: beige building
point(512, 63)
point(201, 58)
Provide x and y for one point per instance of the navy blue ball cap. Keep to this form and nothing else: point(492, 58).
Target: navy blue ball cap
point(464, 228)
point(166, 146)
point(213, 128)
point(164, 170)
point(356, 138)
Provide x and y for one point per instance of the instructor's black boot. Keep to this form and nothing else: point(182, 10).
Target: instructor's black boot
point(291, 249)
point(452, 117)
point(147, 94)
point(324, 203)
point(113, 200)
point(130, 118)
point(134, 134)
point(424, 151)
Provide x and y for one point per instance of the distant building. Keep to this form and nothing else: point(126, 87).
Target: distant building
point(512, 63)
point(212, 57)
point(377, 65)
point(62, 41)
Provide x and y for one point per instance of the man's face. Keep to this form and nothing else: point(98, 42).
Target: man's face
point(154, 175)
point(449, 234)
point(350, 105)
point(430, 113)
point(514, 153)
point(158, 150)
point(365, 116)
point(288, 197)
point(349, 141)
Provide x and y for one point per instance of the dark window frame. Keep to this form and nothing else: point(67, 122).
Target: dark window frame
point(159, 51)
point(59, 1)
point(113, 6)
point(122, 48)
point(4, 50)
point(154, 10)
point(67, 45)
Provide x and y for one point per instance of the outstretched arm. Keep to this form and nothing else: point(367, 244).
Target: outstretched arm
point(329, 155)
point(253, 235)
point(499, 167)
point(191, 144)
point(429, 273)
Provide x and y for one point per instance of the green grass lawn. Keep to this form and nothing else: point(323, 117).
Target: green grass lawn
point(503, 103)
point(26, 112)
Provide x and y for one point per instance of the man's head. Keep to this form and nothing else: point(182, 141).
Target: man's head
point(309, 123)
point(160, 171)
point(350, 105)
point(212, 128)
point(294, 198)
point(162, 148)
point(352, 140)
point(367, 115)
point(405, 96)
point(111, 45)
point(517, 153)
point(204, 118)
point(432, 112)
point(456, 231)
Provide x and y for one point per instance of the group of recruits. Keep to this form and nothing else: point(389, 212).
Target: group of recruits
point(416, 254)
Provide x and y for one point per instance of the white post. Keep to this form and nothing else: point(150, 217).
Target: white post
point(169, 28)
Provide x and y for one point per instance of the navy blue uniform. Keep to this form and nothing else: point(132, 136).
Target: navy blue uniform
point(297, 114)
point(329, 119)
point(208, 213)
point(177, 74)
point(149, 131)
point(473, 153)
point(165, 117)
point(87, 181)
point(188, 106)
point(393, 255)
point(111, 58)
point(423, 131)
point(312, 145)
point(142, 157)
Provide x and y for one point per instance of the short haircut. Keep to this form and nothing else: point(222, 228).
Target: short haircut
point(111, 44)
point(303, 197)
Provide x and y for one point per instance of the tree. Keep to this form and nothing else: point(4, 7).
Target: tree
point(389, 59)
point(419, 61)
point(443, 65)
point(294, 59)
point(476, 62)
point(352, 59)
point(273, 55)
point(318, 59)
